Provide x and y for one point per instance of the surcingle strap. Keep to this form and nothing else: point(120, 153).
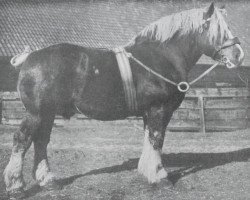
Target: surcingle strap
point(127, 79)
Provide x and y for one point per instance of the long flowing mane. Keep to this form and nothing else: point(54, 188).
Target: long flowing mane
point(185, 23)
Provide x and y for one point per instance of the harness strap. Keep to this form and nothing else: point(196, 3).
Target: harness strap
point(127, 79)
point(170, 81)
point(204, 73)
point(150, 70)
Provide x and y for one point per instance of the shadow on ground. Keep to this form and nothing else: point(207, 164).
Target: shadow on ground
point(187, 163)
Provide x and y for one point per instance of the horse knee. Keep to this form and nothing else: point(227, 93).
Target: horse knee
point(156, 139)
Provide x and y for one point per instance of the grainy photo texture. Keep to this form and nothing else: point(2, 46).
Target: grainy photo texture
point(124, 100)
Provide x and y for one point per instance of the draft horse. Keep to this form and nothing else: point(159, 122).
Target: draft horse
point(64, 78)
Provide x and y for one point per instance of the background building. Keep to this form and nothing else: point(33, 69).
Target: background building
point(40, 23)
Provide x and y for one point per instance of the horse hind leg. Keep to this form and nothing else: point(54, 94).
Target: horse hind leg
point(150, 163)
point(41, 169)
point(22, 140)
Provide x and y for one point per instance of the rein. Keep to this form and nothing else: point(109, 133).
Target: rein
point(179, 85)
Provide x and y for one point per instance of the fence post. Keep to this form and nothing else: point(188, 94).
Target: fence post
point(1, 110)
point(202, 114)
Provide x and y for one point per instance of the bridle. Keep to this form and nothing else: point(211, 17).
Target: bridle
point(184, 86)
point(223, 59)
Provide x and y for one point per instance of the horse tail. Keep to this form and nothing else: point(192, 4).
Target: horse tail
point(19, 59)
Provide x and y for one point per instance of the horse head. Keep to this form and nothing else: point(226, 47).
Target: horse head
point(189, 34)
point(217, 40)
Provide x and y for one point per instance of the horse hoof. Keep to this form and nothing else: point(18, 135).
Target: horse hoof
point(16, 194)
point(52, 185)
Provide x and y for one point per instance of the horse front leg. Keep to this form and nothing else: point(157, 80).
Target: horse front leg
point(150, 163)
point(22, 139)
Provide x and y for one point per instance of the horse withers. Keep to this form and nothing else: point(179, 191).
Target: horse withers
point(63, 79)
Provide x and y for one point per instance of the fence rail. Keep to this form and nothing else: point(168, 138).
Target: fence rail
point(203, 109)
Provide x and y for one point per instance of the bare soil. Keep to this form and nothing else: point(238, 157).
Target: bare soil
point(98, 160)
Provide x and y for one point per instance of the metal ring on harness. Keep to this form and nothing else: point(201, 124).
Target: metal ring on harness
point(183, 86)
point(228, 63)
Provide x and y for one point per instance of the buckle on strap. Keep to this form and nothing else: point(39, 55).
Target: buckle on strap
point(227, 62)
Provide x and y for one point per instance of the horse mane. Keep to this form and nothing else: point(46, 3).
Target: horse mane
point(182, 24)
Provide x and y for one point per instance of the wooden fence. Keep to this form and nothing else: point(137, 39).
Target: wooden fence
point(204, 109)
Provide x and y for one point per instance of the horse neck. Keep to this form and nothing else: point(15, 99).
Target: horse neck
point(186, 51)
point(181, 53)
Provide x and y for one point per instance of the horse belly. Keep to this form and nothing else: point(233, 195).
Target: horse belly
point(103, 98)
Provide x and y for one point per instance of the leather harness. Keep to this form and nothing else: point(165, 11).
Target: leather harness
point(127, 79)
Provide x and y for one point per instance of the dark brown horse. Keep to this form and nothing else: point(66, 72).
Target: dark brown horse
point(64, 78)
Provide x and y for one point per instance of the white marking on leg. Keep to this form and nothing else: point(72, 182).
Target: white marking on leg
point(150, 162)
point(43, 174)
point(13, 172)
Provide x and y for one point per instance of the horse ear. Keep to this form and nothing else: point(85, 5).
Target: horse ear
point(210, 11)
point(222, 9)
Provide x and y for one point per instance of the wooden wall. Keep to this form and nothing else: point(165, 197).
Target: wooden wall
point(220, 77)
point(204, 109)
point(8, 75)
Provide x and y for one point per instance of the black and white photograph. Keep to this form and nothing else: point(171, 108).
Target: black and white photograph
point(124, 100)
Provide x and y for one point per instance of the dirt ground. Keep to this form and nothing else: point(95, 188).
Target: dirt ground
point(98, 160)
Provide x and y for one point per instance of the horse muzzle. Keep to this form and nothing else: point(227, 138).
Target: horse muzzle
point(234, 58)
